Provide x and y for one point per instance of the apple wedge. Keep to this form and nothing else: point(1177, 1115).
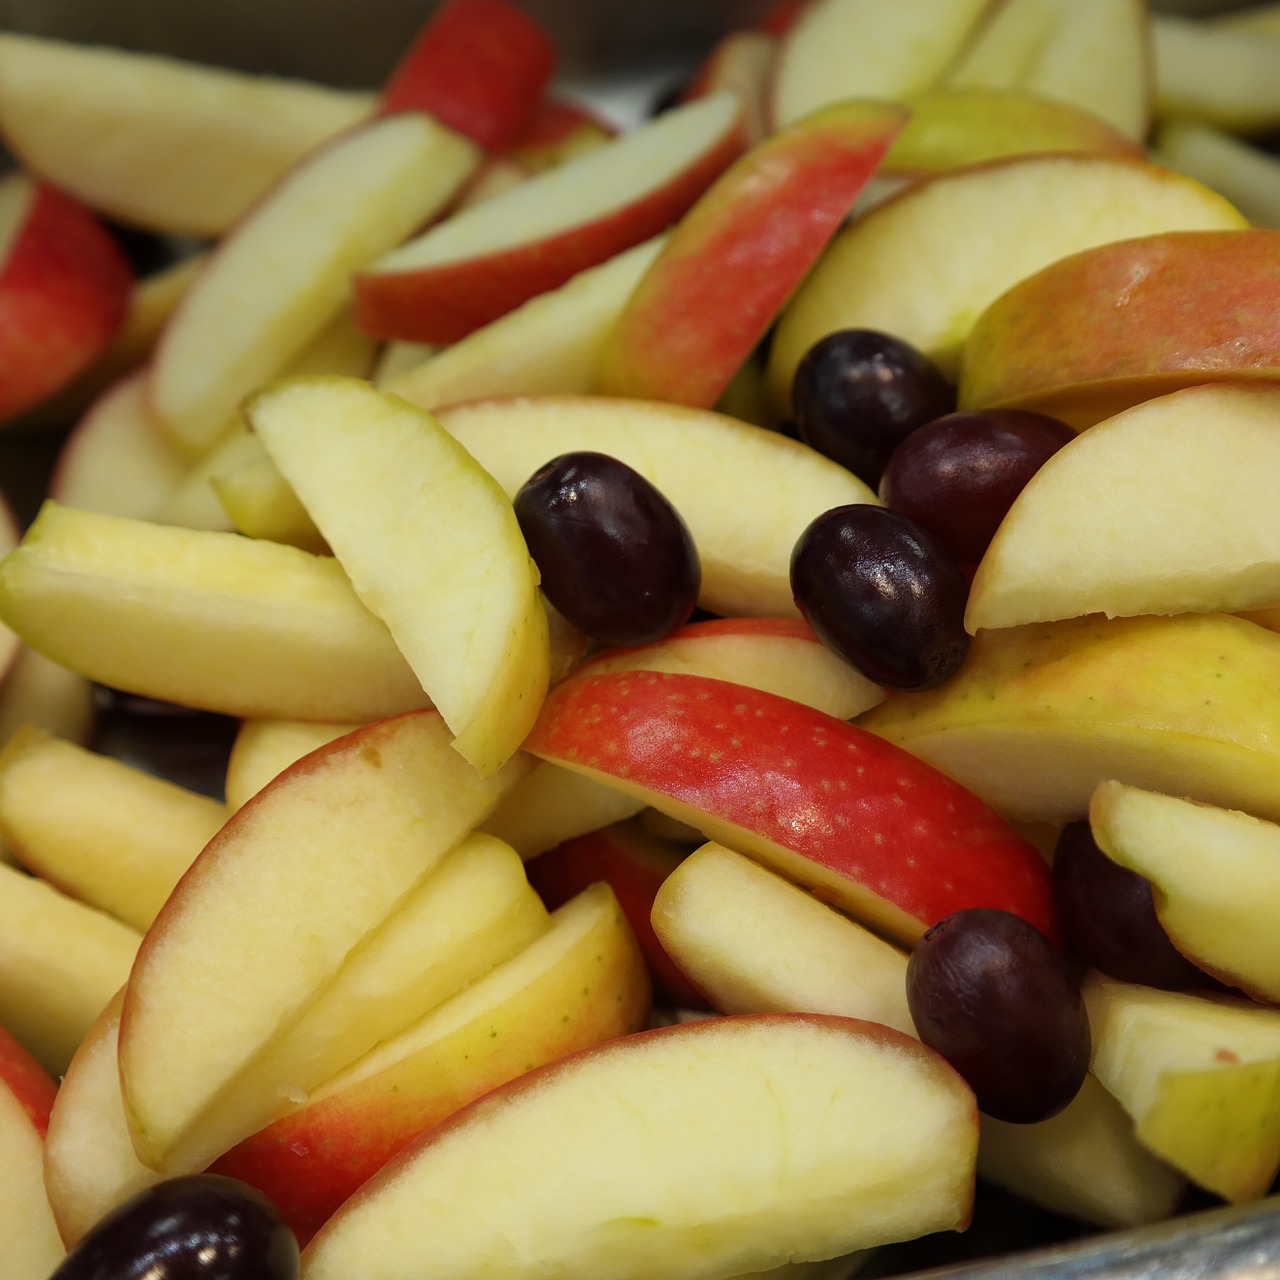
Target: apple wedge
point(38, 691)
point(926, 263)
point(1121, 553)
point(582, 982)
point(1131, 321)
point(1039, 715)
point(432, 545)
point(741, 60)
point(335, 843)
point(737, 256)
point(491, 257)
point(64, 288)
point(284, 272)
point(749, 1141)
point(235, 625)
point(1241, 170)
point(264, 749)
point(10, 536)
point(1215, 878)
point(867, 827)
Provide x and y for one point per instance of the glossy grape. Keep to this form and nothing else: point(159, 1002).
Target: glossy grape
point(994, 997)
point(884, 594)
point(1109, 917)
point(615, 557)
point(201, 1227)
point(959, 475)
point(858, 394)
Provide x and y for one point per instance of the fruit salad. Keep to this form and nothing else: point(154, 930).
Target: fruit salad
point(695, 695)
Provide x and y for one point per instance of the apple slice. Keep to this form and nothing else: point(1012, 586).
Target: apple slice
point(40, 692)
point(97, 828)
point(737, 256)
point(169, 145)
point(284, 272)
point(742, 61)
point(1200, 1075)
point(10, 536)
point(869, 828)
point(837, 49)
point(745, 548)
point(582, 982)
point(432, 545)
point(1215, 878)
point(64, 288)
point(926, 263)
point(1121, 553)
point(235, 625)
point(264, 749)
point(1246, 174)
point(491, 257)
point(742, 1135)
point(1039, 715)
point(561, 129)
point(334, 843)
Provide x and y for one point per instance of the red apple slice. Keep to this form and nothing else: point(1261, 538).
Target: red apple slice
point(478, 66)
point(739, 253)
point(491, 257)
point(877, 832)
point(560, 130)
point(64, 288)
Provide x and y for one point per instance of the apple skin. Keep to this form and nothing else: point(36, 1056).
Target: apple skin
point(478, 66)
point(878, 833)
point(27, 1080)
point(64, 290)
point(559, 130)
point(739, 253)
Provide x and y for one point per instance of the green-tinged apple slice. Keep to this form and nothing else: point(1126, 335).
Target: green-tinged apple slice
point(753, 942)
point(749, 1142)
point(206, 619)
point(1129, 517)
point(272, 909)
point(1132, 320)
point(838, 49)
point(60, 963)
point(926, 263)
point(431, 545)
point(865, 825)
point(738, 255)
point(745, 547)
point(582, 982)
point(97, 828)
point(1039, 715)
point(166, 144)
point(284, 273)
point(1215, 878)
point(489, 258)
point(1200, 1075)
point(1246, 174)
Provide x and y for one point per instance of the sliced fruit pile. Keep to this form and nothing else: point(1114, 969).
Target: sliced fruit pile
point(751, 641)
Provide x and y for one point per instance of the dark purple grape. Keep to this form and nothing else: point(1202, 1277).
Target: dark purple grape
point(958, 475)
point(858, 394)
point(993, 996)
point(202, 1227)
point(1109, 917)
point(884, 594)
point(615, 557)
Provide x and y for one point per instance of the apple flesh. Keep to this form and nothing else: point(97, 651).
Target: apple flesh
point(40, 692)
point(750, 1142)
point(741, 60)
point(264, 749)
point(1246, 174)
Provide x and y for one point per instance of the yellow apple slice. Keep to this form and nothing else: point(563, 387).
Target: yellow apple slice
point(1246, 174)
point(334, 844)
point(1215, 878)
point(100, 830)
point(1165, 508)
point(41, 692)
point(1200, 1075)
point(245, 627)
point(750, 1142)
point(264, 749)
point(166, 144)
point(1039, 715)
point(285, 271)
point(431, 544)
point(925, 264)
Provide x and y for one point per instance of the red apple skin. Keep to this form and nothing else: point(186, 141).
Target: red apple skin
point(64, 291)
point(866, 825)
point(443, 303)
point(27, 1080)
point(558, 130)
point(781, 18)
point(634, 865)
point(478, 66)
point(739, 254)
